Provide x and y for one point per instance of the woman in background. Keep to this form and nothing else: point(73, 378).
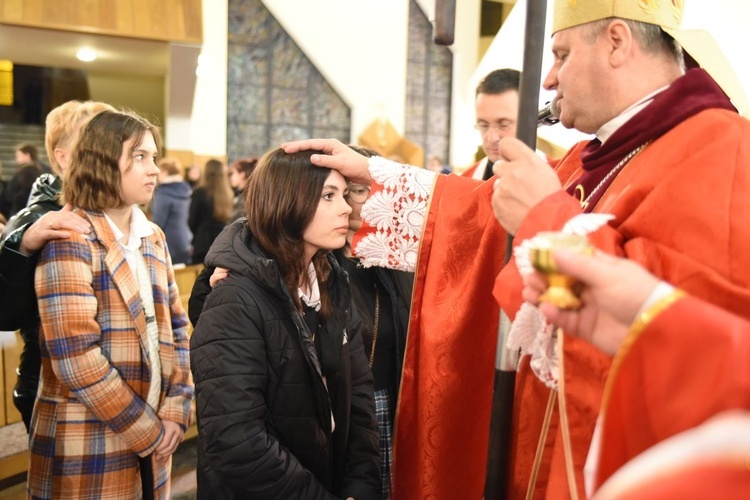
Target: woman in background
point(193, 175)
point(115, 391)
point(284, 395)
point(239, 173)
point(210, 208)
point(170, 209)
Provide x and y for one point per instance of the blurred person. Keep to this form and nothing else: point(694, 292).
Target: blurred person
point(170, 209)
point(16, 193)
point(210, 208)
point(26, 153)
point(654, 331)
point(435, 164)
point(24, 236)
point(115, 392)
point(239, 173)
point(496, 108)
point(193, 175)
point(29, 153)
point(3, 186)
point(705, 461)
point(284, 394)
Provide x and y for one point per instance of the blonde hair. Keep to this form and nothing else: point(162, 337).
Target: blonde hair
point(64, 123)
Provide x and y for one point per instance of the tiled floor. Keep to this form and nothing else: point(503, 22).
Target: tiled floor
point(183, 476)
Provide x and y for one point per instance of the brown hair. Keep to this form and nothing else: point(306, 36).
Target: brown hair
point(651, 38)
point(499, 82)
point(282, 197)
point(218, 189)
point(93, 180)
point(245, 165)
point(64, 123)
point(171, 165)
point(29, 149)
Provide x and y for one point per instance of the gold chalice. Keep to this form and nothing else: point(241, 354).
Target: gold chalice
point(560, 292)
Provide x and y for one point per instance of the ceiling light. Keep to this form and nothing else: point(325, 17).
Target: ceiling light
point(86, 55)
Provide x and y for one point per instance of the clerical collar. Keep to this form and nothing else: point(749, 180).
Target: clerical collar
point(609, 128)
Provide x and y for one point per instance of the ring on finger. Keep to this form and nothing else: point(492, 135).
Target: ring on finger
point(51, 226)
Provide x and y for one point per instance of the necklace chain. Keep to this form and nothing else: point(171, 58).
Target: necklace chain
point(375, 326)
point(617, 168)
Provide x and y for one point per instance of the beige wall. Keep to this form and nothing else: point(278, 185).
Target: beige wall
point(143, 94)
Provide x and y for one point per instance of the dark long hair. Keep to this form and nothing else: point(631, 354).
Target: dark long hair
point(282, 197)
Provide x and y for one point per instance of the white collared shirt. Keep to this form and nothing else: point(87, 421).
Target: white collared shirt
point(312, 300)
point(140, 228)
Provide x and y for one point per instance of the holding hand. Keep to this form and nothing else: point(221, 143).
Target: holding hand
point(523, 180)
point(219, 274)
point(338, 156)
point(52, 226)
point(172, 438)
point(614, 290)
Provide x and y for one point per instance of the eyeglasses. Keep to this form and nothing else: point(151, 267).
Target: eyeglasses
point(503, 126)
point(359, 193)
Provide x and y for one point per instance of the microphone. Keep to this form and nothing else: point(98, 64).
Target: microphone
point(549, 114)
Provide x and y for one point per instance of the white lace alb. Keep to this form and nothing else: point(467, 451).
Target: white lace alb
point(396, 213)
point(530, 331)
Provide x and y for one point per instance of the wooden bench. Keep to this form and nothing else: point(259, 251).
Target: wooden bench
point(15, 445)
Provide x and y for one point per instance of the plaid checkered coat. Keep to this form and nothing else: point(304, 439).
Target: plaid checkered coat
point(91, 421)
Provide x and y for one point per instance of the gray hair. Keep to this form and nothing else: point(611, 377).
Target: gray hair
point(650, 37)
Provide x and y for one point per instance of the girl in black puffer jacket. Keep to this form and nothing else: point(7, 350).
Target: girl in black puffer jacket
point(284, 392)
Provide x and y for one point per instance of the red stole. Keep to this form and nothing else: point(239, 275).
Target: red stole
point(687, 96)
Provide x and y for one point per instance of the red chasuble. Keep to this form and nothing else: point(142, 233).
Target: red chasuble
point(442, 420)
point(689, 364)
point(680, 210)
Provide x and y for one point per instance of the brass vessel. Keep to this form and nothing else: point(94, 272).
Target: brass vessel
point(561, 287)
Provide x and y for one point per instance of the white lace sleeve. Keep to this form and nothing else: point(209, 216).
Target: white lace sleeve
point(396, 215)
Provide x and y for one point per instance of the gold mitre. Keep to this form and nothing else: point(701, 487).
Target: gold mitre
point(665, 13)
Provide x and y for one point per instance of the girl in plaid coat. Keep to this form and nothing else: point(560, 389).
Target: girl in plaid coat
point(115, 390)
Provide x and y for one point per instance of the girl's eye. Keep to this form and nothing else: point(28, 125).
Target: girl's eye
point(328, 196)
